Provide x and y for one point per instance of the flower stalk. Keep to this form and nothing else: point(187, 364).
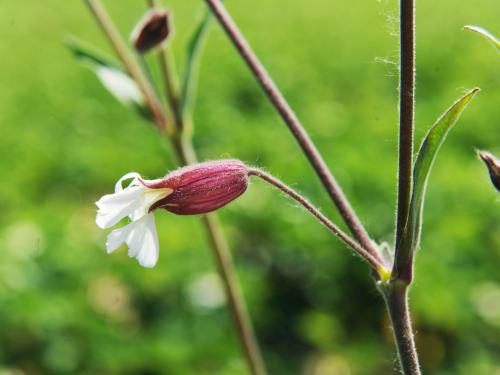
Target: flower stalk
point(169, 77)
point(290, 118)
point(375, 261)
point(234, 293)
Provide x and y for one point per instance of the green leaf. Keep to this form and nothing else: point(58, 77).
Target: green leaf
point(194, 48)
point(486, 34)
point(113, 78)
point(423, 164)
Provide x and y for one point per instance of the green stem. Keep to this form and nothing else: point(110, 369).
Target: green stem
point(376, 264)
point(235, 297)
point(396, 291)
point(130, 64)
point(406, 125)
point(169, 75)
point(396, 299)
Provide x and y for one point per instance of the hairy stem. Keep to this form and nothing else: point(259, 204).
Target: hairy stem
point(294, 124)
point(169, 74)
point(186, 155)
point(396, 291)
point(396, 298)
point(225, 265)
point(131, 65)
point(406, 124)
point(167, 67)
point(233, 291)
point(375, 262)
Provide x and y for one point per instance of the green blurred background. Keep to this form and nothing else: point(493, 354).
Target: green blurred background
point(68, 308)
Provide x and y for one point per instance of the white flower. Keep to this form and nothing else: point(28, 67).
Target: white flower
point(133, 202)
point(191, 190)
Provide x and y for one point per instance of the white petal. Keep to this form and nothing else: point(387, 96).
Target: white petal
point(134, 175)
point(117, 237)
point(135, 238)
point(141, 238)
point(148, 254)
point(142, 241)
point(114, 207)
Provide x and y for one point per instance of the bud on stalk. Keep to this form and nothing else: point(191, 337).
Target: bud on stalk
point(151, 31)
point(493, 165)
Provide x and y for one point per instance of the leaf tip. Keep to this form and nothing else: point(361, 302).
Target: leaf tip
point(70, 41)
point(484, 33)
point(468, 96)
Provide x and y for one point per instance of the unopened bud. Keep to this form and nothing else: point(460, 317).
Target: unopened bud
point(151, 31)
point(493, 165)
point(201, 188)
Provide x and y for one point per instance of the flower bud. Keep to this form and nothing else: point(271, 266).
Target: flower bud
point(493, 165)
point(151, 31)
point(201, 188)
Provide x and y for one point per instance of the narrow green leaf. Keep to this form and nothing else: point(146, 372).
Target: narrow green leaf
point(113, 78)
point(423, 164)
point(194, 48)
point(88, 54)
point(486, 34)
